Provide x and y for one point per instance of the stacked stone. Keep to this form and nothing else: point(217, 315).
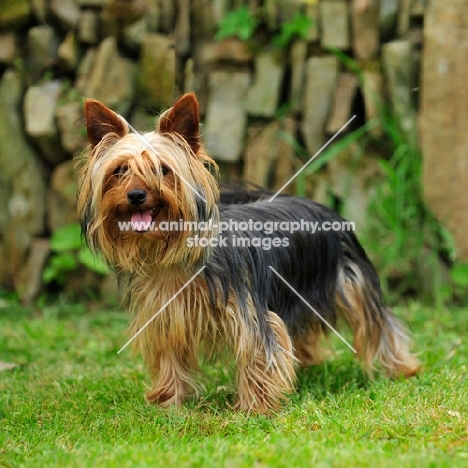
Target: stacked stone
point(137, 56)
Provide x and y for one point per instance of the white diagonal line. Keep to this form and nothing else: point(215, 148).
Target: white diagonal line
point(142, 138)
point(161, 309)
point(313, 310)
point(312, 158)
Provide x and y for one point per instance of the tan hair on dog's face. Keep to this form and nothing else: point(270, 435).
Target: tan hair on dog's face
point(144, 180)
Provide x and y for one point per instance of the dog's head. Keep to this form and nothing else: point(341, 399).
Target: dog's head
point(135, 189)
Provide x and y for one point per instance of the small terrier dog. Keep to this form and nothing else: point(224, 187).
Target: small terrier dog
point(192, 295)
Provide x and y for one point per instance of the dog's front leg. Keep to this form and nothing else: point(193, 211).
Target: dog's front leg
point(266, 374)
point(172, 378)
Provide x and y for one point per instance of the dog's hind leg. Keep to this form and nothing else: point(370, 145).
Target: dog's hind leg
point(308, 349)
point(378, 334)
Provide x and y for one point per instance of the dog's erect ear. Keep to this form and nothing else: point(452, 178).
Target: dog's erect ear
point(183, 119)
point(100, 121)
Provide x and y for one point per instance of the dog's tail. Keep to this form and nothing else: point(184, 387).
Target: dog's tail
point(378, 334)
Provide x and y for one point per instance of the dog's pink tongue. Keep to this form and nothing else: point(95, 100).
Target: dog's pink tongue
point(141, 220)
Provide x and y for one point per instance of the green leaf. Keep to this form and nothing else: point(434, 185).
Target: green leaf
point(92, 262)
point(238, 23)
point(460, 274)
point(67, 237)
point(301, 185)
point(64, 261)
point(298, 26)
point(49, 274)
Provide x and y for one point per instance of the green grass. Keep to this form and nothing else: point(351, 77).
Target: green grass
point(73, 402)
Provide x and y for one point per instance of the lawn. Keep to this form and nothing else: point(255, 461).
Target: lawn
point(72, 401)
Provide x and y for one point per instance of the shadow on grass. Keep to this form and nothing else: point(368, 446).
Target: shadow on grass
point(337, 376)
point(334, 376)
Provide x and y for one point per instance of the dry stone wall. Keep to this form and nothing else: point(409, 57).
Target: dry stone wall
point(137, 56)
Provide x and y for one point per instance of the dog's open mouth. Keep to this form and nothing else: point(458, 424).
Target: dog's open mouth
point(143, 221)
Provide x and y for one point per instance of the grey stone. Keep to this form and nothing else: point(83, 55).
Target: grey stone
point(203, 23)
point(134, 33)
point(26, 204)
point(182, 28)
point(40, 103)
point(153, 16)
point(69, 52)
point(356, 186)
point(401, 79)
point(167, 12)
point(443, 118)
point(344, 95)
point(220, 9)
point(261, 153)
point(287, 163)
point(388, 17)
point(61, 197)
point(288, 8)
point(226, 115)
point(373, 93)
point(415, 36)
point(298, 59)
point(321, 79)
point(93, 3)
point(22, 185)
point(66, 12)
point(157, 71)
point(43, 45)
point(111, 77)
point(84, 69)
point(229, 50)
point(40, 9)
point(8, 48)
point(263, 95)
point(71, 126)
point(29, 282)
point(335, 24)
point(89, 27)
point(191, 81)
point(365, 28)
point(312, 12)
point(271, 13)
point(15, 151)
point(14, 13)
point(417, 8)
point(404, 17)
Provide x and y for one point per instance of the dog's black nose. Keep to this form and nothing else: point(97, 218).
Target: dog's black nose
point(136, 197)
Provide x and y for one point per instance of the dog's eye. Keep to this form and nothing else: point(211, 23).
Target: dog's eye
point(120, 170)
point(164, 170)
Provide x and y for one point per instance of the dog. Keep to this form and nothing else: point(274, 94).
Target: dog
point(266, 300)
